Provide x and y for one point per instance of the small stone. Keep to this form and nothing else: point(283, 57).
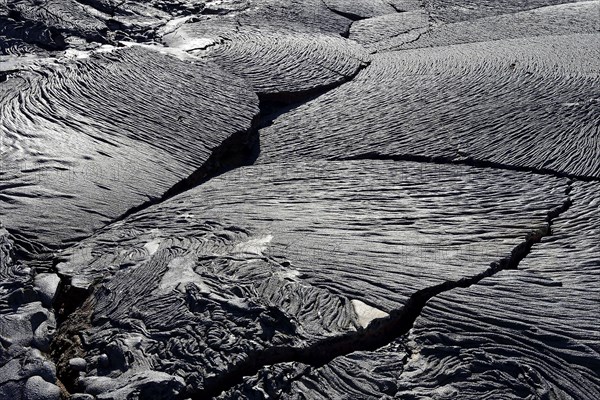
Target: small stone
point(43, 335)
point(18, 325)
point(37, 388)
point(47, 284)
point(10, 371)
point(81, 396)
point(78, 364)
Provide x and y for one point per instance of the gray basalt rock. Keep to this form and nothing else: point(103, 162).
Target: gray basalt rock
point(25, 373)
point(419, 219)
point(206, 286)
point(532, 330)
point(77, 153)
point(417, 29)
point(562, 19)
point(37, 388)
point(78, 364)
point(469, 10)
point(529, 331)
point(281, 64)
point(81, 396)
point(47, 284)
point(520, 104)
point(26, 327)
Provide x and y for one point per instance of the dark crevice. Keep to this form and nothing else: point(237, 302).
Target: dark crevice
point(72, 318)
point(240, 149)
point(470, 161)
point(273, 105)
point(346, 33)
point(68, 298)
point(282, 102)
point(74, 308)
point(352, 17)
point(272, 109)
point(378, 333)
point(396, 8)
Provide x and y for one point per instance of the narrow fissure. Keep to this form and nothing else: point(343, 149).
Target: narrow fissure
point(274, 105)
point(379, 332)
point(469, 161)
point(243, 148)
point(238, 150)
point(73, 308)
point(395, 7)
point(352, 17)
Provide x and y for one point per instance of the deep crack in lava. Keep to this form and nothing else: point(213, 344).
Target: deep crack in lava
point(379, 332)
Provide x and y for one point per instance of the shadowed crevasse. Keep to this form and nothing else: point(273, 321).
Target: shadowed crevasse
point(273, 105)
point(238, 150)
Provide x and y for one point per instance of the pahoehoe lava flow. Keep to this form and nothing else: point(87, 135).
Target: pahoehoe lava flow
point(299, 199)
point(256, 263)
point(379, 332)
